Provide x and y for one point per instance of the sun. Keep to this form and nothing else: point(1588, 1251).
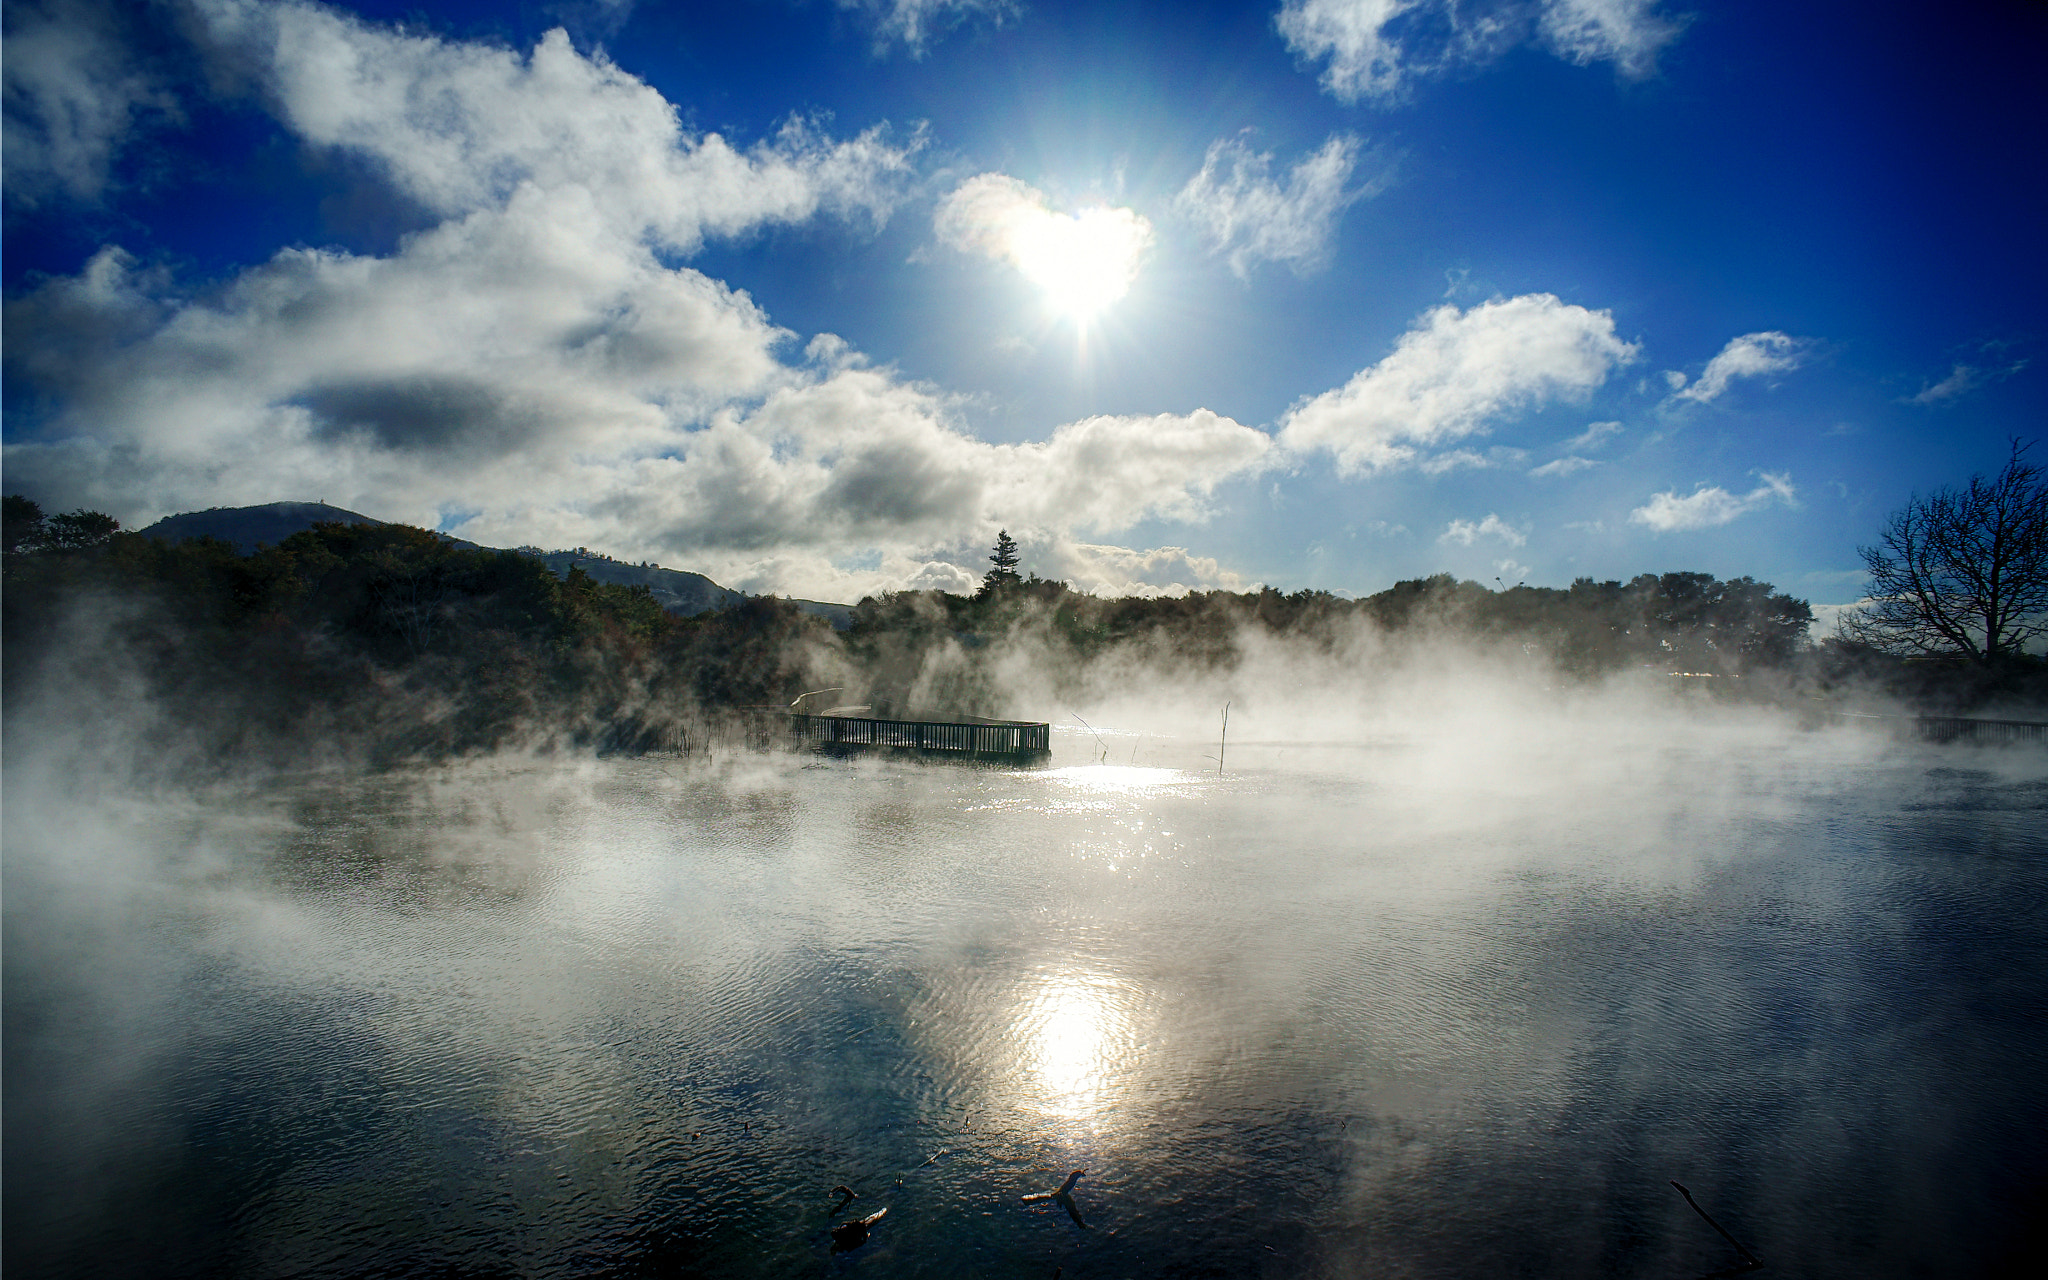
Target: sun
point(1080, 262)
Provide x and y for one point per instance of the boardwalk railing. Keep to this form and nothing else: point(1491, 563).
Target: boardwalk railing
point(1947, 728)
point(964, 737)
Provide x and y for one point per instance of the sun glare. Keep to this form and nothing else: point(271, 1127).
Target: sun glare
point(1081, 262)
point(1080, 1037)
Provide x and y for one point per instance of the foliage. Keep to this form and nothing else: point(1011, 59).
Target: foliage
point(1961, 572)
point(26, 529)
point(1004, 571)
point(21, 523)
point(390, 642)
point(1674, 622)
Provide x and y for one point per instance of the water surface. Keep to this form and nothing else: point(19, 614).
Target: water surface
point(1392, 1008)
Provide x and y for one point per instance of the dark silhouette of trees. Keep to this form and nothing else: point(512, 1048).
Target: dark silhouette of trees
point(1656, 623)
point(394, 643)
point(26, 528)
point(1962, 572)
point(1701, 621)
point(21, 524)
point(384, 643)
point(1004, 573)
point(77, 530)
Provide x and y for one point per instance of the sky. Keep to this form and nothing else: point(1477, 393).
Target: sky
point(815, 296)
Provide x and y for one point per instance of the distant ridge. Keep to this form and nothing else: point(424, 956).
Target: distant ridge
point(678, 591)
point(251, 527)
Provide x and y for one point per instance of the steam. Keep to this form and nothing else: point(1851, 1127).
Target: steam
point(576, 964)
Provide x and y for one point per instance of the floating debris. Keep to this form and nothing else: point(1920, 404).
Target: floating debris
point(1064, 1197)
point(1750, 1262)
point(853, 1233)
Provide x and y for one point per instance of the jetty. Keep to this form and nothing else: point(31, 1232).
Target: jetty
point(933, 737)
point(1938, 728)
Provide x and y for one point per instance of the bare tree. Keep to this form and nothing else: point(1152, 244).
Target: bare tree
point(1962, 572)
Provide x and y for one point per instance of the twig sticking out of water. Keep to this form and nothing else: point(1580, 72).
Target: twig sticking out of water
point(1064, 1197)
point(853, 1234)
point(1104, 758)
point(1750, 1262)
point(1065, 1189)
point(1220, 742)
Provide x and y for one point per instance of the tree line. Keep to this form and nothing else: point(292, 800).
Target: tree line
point(380, 642)
point(388, 642)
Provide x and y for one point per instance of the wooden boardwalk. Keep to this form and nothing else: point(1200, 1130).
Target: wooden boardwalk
point(951, 738)
point(1945, 728)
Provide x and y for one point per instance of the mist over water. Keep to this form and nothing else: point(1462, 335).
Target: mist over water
point(1435, 1001)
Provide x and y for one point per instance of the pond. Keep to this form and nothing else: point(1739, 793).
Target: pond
point(1403, 1007)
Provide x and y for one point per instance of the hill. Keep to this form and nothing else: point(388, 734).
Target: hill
point(677, 590)
point(252, 527)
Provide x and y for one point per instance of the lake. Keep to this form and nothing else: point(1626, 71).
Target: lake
point(1402, 1006)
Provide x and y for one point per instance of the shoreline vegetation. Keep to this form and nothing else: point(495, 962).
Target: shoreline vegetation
point(384, 644)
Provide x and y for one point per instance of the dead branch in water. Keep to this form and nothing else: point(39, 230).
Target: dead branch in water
point(1750, 1262)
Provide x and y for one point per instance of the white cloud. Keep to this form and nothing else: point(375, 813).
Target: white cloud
point(1453, 373)
point(532, 361)
point(1827, 618)
point(1816, 578)
point(1125, 571)
point(1628, 33)
point(1466, 532)
point(1250, 218)
point(1962, 380)
point(459, 127)
point(936, 575)
point(1562, 467)
point(73, 95)
point(1375, 48)
point(1362, 40)
point(1595, 435)
point(1438, 464)
point(1706, 508)
point(1107, 473)
point(916, 23)
point(1753, 355)
point(1081, 261)
point(650, 400)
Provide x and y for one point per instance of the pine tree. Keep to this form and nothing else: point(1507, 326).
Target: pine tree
point(1005, 561)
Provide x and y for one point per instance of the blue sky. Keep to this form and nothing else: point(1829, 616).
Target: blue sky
point(815, 295)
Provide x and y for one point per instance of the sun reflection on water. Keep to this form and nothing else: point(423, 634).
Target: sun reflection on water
point(1080, 1039)
point(1115, 777)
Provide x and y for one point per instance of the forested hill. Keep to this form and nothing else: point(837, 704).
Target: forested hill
point(362, 641)
point(676, 590)
point(383, 642)
point(251, 527)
